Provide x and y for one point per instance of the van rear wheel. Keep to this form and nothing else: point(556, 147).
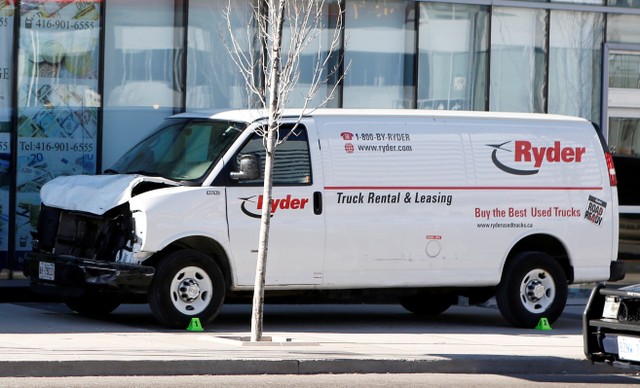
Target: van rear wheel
point(188, 284)
point(533, 286)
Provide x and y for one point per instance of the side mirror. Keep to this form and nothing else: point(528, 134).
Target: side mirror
point(249, 168)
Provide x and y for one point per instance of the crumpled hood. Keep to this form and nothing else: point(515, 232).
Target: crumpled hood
point(93, 193)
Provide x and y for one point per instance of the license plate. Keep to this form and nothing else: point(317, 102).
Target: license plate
point(47, 271)
point(629, 348)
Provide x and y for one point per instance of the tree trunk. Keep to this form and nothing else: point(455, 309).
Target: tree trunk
point(270, 146)
point(263, 244)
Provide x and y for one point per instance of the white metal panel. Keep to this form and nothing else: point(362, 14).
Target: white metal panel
point(442, 212)
point(179, 212)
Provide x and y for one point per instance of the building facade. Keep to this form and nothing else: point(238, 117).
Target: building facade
point(81, 81)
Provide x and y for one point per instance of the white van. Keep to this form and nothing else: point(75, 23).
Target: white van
point(416, 207)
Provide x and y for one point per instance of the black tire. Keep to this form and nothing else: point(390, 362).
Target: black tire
point(428, 304)
point(92, 305)
point(533, 286)
point(187, 284)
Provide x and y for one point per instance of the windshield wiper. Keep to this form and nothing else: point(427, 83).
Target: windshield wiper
point(110, 171)
point(142, 172)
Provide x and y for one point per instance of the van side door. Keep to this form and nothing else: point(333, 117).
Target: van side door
point(297, 232)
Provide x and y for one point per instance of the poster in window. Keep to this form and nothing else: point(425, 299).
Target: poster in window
point(7, 12)
point(58, 99)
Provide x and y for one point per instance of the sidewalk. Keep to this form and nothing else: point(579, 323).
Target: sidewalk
point(49, 340)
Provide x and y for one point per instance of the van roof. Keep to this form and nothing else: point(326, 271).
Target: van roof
point(251, 115)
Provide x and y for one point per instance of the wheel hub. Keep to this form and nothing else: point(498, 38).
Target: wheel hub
point(189, 290)
point(535, 290)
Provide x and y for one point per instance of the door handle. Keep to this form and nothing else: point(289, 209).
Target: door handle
point(317, 203)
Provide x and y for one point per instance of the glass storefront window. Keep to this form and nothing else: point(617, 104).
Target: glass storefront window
point(380, 49)
point(624, 136)
point(58, 100)
point(453, 54)
point(624, 3)
point(7, 12)
point(311, 56)
point(623, 28)
point(213, 80)
point(575, 64)
point(624, 70)
point(141, 72)
point(623, 97)
point(518, 52)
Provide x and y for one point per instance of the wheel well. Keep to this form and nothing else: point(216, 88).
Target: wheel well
point(204, 245)
point(547, 244)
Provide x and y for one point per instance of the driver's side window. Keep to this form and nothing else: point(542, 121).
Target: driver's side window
point(292, 162)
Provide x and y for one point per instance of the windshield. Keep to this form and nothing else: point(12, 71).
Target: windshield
point(181, 149)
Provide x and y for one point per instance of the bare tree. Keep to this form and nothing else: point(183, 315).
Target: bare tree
point(270, 66)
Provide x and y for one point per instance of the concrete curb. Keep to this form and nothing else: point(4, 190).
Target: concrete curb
point(443, 364)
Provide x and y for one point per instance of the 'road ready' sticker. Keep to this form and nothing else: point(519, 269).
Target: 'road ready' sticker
point(595, 210)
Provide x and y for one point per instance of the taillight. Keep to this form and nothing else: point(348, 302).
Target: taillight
point(612, 170)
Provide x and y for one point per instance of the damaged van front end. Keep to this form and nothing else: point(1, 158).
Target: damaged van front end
point(88, 239)
point(151, 229)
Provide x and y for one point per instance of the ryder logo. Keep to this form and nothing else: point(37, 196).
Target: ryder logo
point(286, 203)
point(524, 152)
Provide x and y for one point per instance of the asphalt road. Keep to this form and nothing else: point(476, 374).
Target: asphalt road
point(433, 380)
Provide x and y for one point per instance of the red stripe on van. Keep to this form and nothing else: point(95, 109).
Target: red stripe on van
point(470, 188)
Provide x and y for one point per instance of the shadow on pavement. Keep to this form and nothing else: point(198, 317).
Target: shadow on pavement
point(389, 319)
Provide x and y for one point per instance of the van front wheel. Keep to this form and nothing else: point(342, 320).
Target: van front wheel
point(187, 284)
point(533, 286)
